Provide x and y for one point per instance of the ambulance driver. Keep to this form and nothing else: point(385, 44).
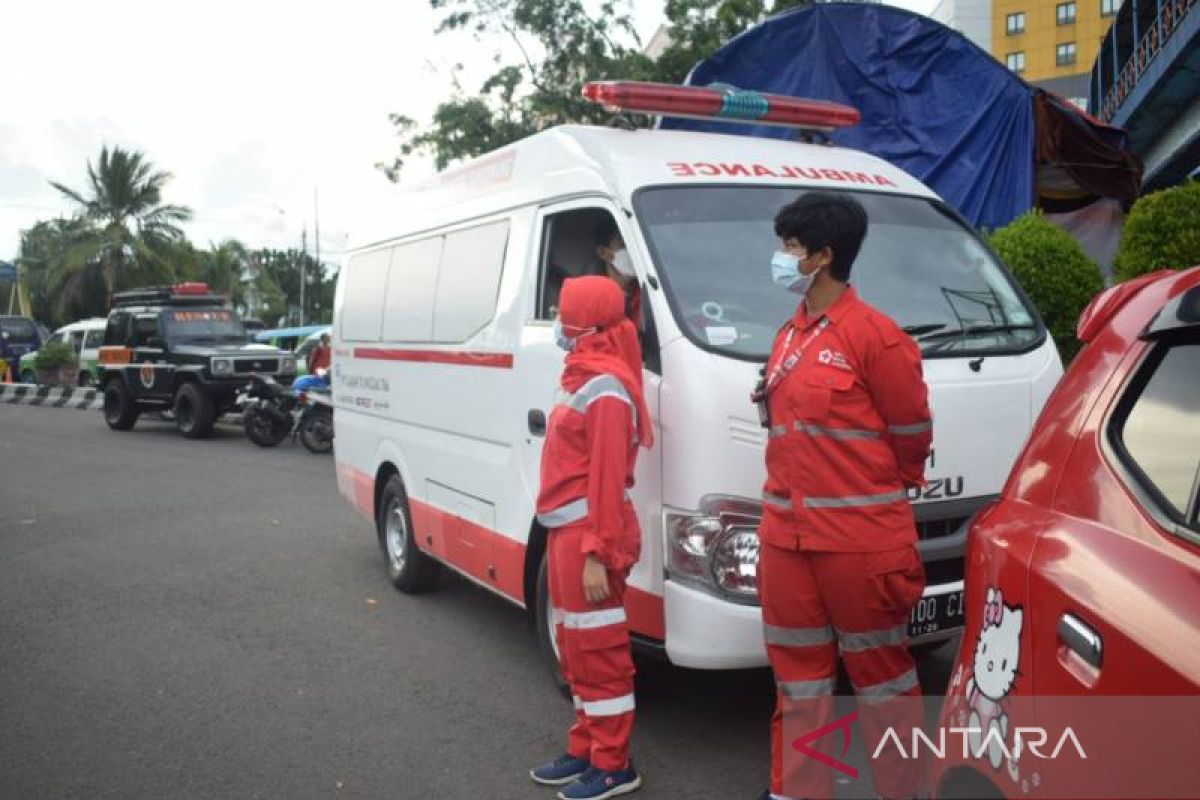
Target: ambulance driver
point(618, 264)
point(591, 446)
point(848, 430)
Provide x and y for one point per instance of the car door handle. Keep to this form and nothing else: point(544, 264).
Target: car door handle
point(537, 422)
point(1083, 640)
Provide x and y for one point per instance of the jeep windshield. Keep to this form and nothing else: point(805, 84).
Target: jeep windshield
point(204, 325)
point(712, 246)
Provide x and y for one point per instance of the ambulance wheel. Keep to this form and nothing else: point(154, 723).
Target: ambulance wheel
point(119, 410)
point(410, 570)
point(194, 413)
point(545, 629)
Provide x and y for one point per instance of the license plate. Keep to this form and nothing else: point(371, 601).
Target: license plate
point(936, 612)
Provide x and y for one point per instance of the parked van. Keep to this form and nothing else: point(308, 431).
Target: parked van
point(445, 367)
point(85, 338)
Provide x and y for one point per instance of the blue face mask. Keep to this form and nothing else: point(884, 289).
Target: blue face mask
point(785, 271)
point(561, 339)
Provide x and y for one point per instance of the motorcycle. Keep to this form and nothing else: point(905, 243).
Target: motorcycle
point(267, 411)
point(315, 427)
point(271, 412)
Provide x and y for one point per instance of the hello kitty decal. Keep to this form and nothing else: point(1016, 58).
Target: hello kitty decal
point(995, 670)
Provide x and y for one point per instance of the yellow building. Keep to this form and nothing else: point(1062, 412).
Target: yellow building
point(1051, 43)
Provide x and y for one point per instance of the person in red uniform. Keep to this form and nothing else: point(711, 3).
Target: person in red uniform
point(592, 440)
point(618, 265)
point(845, 406)
point(319, 357)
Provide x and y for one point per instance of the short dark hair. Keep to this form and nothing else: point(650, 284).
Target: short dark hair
point(825, 219)
point(606, 229)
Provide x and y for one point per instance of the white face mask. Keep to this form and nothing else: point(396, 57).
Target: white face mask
point(622, 263)
point(785, 271)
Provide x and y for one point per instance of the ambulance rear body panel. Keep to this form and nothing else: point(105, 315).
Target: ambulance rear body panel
point(443, 357)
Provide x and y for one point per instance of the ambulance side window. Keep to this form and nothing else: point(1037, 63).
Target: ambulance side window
point(568, 251)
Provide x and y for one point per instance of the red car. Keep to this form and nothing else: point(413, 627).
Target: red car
point(1083, 579)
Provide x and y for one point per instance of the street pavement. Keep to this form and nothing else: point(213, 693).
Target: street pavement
point(208, 619)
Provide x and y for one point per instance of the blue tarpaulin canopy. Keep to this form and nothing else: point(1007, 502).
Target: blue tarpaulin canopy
point(287, 333)
point(932, 102)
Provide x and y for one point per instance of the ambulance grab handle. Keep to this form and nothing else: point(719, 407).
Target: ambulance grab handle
point(537, 422)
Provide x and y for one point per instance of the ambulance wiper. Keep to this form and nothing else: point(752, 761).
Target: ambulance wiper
point(920, 330)
point(974, 330)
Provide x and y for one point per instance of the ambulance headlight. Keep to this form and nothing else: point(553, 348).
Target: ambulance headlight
point(735, 562)
point(716, 549)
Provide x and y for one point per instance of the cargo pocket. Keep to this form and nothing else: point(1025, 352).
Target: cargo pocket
point(897, 580)
point(605, 656)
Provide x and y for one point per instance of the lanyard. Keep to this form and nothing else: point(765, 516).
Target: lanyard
point(788, 363)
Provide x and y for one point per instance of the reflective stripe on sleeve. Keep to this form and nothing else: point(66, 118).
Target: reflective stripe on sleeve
point(869, 640)
point(835, 433)
point(565, 514)
point(854, 501)
point(908, 430)
point(886, 690)
point(593, 390)
point(586, 620)
point(609, 708)
point(806, 690)
point(577, 702)
point(797, 637)
point(777, 501)
point(776, 431)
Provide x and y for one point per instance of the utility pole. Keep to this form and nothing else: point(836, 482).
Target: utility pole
point(317, 234)
point(303, 258)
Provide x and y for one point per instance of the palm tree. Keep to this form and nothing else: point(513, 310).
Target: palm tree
point(222, 266)
point(127, 221)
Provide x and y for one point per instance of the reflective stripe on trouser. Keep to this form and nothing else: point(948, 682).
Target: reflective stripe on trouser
point(593, 646)
point(815, 604)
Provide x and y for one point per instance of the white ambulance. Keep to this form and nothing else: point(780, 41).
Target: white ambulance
point(445, 367)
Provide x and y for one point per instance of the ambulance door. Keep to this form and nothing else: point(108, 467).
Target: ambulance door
point(567, 248)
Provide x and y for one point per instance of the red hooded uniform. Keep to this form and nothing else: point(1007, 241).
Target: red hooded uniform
point(594, 431)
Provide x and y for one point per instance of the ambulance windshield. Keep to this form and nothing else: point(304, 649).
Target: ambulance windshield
point(712, 246)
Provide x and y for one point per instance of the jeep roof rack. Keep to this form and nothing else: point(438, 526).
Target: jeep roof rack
point(180, 294)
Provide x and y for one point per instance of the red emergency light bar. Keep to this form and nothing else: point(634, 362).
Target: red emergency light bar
point(724, 103)
point(191, 287)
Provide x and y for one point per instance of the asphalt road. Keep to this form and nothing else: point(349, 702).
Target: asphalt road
point(208, 619)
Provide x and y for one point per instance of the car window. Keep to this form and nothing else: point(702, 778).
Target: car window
point(20, 331)
point(1160, 433)
point(76, 340)
point(93, 339)
point(145, 328)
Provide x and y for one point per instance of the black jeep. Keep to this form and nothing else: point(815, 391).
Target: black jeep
point(180, 349)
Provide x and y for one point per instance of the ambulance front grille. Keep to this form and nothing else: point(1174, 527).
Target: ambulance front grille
point(937, 528)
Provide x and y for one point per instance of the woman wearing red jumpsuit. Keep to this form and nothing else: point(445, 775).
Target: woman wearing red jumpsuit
point(591, 447)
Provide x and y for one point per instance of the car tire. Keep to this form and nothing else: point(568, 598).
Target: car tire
point(194, 413)
point(544, 618)
point(29, 376)
point(410, 570)
point(120, 412)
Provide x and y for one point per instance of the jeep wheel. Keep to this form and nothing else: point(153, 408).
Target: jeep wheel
point(119, 410)
point(194, 414)
point(410, 570)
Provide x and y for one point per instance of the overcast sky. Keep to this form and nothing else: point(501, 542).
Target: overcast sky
point(251, 104)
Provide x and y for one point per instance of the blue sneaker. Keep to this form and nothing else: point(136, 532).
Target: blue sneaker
point(560, 771)
point(596, 784)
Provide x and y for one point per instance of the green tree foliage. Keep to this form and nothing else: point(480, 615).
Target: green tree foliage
point(127, 224)
point(562, 44)
point(278, 284)
point(1161, 232)
point(1054, 271)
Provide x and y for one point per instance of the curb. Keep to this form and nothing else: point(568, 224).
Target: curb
point(57, 397)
